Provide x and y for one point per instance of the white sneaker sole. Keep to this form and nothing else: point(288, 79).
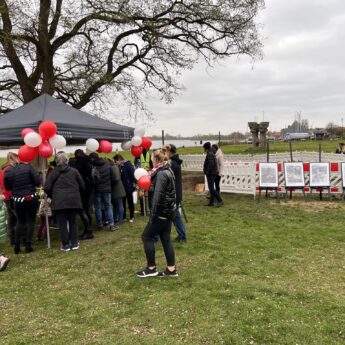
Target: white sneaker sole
point(148, 275)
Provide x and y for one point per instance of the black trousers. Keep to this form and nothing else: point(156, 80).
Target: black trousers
point(217, 183)
point(129, 200)
point(161, 227)
point(213, 193)
point(26, 216)
point(11, 221)
point(85, 214)
point(68, 234)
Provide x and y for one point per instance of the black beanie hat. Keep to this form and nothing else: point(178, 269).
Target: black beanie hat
point(207, 146)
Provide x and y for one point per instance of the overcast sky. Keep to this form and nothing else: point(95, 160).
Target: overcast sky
point(303, 69)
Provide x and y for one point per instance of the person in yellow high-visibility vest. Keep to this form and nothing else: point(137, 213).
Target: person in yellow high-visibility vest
point(144, 161)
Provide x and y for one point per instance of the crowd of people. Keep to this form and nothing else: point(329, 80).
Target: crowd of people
point(76, 186)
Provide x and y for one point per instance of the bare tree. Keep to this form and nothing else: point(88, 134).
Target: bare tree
point(83, 51)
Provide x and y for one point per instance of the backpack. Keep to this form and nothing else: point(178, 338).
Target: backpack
point(96, 176)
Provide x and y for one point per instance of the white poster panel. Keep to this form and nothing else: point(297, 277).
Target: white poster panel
point(343, 173)
point(294, 176)
point(268, 175)
point(319, 175)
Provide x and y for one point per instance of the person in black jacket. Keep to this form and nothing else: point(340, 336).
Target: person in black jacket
point(175, 163)
point(128, 181)
point(83, 165)
point(162, 201)
point(22, 180)
point(63, 186)
point(103, 177)
point(211, 171)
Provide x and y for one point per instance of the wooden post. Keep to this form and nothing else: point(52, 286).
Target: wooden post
point(162, 136)
point(268, 151)
point(320, 152)
point(219, 139)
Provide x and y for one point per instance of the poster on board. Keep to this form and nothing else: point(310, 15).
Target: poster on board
point(268, 175)
point(319, 175)
point(294, 175)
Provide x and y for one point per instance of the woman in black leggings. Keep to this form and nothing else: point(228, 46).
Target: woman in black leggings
point(162, 201)
point(22, 180)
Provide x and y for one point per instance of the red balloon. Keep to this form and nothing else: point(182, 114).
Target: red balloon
point(47, 129)
point(145, 182)
point(27, 153)
point(25, 131)
point(136, 151)
point(146, 143)
point(105, 146)
point(45, 150)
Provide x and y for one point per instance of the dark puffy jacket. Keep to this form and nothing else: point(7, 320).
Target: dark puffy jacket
point(106, 176)
point(175, 163)
point(162, 195)
point(84, 167)
point(210, 164)
point(22, 180)
point(63, 186)
point(127, 176)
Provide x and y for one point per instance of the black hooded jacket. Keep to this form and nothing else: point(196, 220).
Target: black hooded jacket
point(106, 175)
point(210, 164)
point(63, 186)
point(162, 195)
point(175, 163)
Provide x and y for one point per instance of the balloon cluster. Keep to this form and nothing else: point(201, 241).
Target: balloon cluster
point(137, 143)
point(136, 146)
point(41, 143)
point(94, 145)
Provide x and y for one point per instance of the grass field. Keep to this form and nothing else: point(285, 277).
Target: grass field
point(250, 273)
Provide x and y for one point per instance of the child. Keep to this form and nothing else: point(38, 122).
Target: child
point(44, 208)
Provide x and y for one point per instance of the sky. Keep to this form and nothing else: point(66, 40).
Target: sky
point(302, 70)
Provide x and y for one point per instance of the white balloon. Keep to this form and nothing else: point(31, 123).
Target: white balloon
point(92, 145)
point(126, 145)
point(139, 131)
point(33, 139)
point(136, 141)
point(57, 142)
point(139, 173)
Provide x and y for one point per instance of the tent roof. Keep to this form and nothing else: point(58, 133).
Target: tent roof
point(75, 125)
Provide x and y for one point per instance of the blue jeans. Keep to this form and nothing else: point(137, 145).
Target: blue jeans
point(103, 199)
point(118, 209)
point(178, 222)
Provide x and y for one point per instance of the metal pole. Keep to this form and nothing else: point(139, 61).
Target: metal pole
point(320, 152)
point(268, 152)
point(290, 147)
point(162, 136)
point(219, 138)
point(342, 128)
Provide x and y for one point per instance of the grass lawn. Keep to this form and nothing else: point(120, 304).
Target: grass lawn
point(250, 273)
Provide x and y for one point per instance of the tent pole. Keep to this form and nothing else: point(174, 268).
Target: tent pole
point(44, 161)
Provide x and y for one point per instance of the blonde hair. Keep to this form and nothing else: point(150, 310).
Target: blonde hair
point(159, 155)
point(12, 158)
point(61, 158)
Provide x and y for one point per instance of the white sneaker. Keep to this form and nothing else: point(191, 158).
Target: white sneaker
point(131, 220)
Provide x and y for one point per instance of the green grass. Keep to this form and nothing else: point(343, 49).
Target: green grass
point(250, 273)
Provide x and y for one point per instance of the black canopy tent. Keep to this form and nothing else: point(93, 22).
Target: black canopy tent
point(75, 125)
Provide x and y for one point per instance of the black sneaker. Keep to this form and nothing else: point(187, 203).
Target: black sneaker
point(220, 204)
point(147, 273)
point(168, 273)
point(87, 237)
